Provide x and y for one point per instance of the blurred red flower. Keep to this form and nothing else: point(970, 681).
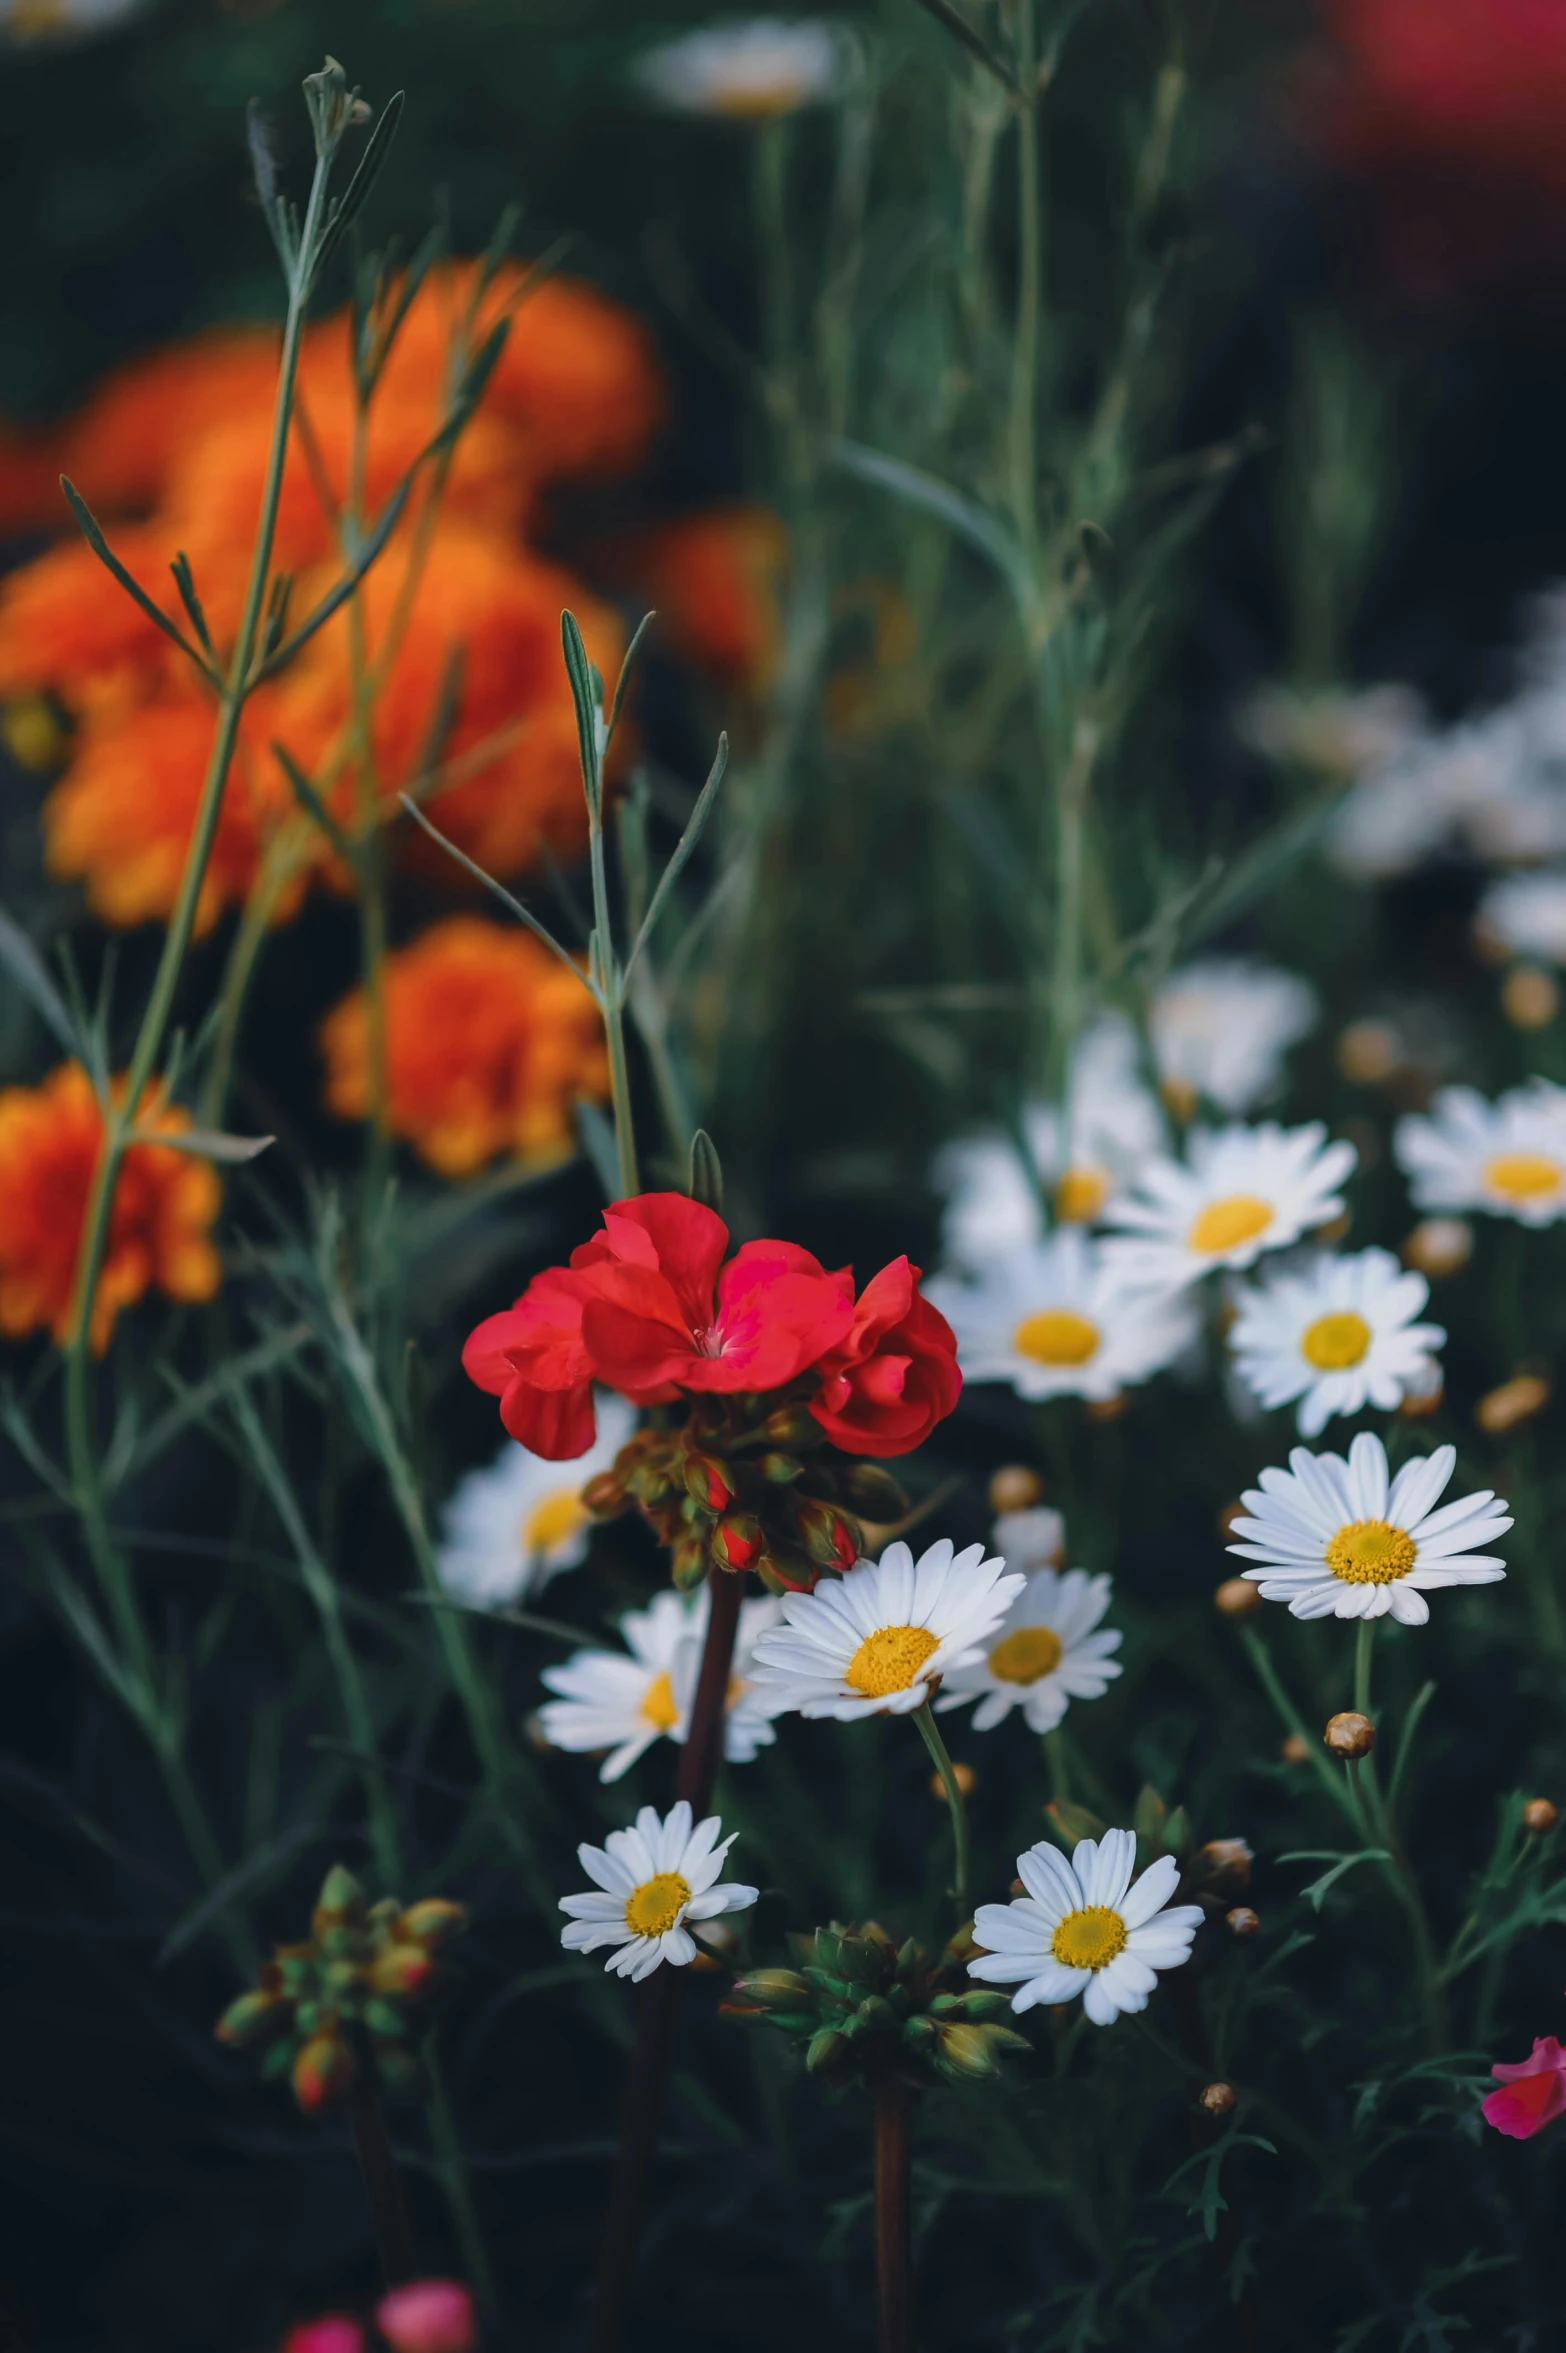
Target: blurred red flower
point(428, 2316)
point(1533, 2091)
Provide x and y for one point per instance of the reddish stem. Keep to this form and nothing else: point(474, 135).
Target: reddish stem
point(660, 1996)
point(894, 2113)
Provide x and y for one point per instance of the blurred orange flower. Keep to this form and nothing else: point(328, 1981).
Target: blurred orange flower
point(66, 624)
point(159, 1231)
point(120, 448)
point(489, 1041)
point(715, 579)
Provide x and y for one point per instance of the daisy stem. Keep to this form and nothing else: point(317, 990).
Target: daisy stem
point(930, 1734)
point(1383, 1825)
point(1289, 1715)
point(382, 2183)
point(894, 2114)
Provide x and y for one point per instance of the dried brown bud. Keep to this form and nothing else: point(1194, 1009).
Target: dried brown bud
point(1439, 1246)
point(1350, 1734)
point(1539, 1815)
point(1515, 1401)
point(1217, 2099)
point(1337, 1230)
point(1236, 1597)
point(966, 1778)
point(1530, 997)
point(1227, 1517)
point(605, 1496)
point(1226, 1862)
point(1424, 1398)
point(1295, 1750)
point(1242, 1921)
point(1368, 1051)
point(1015, 1488)
point(1107, 1409)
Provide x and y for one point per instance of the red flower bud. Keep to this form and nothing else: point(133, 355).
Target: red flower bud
point(738, 1542)
point(401, 1969)
point(322, 2072)
point(428, 2316)
point(706, 1483)
point(826, 1535)
point(336, 2333)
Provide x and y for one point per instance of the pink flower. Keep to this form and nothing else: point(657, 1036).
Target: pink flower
point(1533, 2091)
point(335, 2334)
point(428, 2316)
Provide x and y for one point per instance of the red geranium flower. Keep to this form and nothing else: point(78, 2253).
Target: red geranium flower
point(1533, 2091)
point(896, 1374)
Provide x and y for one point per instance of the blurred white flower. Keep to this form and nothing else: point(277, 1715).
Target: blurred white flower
point(1050, 1321)
point(1507, 1157)
point(750, 68)
point(1221, 1028)
point(1338, 1540)
point(874, 1641)
point(506, 1530)
point(1337, 1335)
point(1240, 1191)
point(1084, 1928)
point(1045, 1653)
point(64, 20)
point(623, 1701)
point(1335, 732)
point(1525, 915)
point(648, 1881)
point(1032, 1539)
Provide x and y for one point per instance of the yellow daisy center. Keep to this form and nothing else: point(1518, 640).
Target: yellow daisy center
point(554, 1520)
point(1026, 1655)
point(653, 1908)
point(889, 1659)
point(1080, 1195)
point(1056, 1335)
point(1089, 1939)
point(1371, 1552)
point(658, 1703)
point(1523, 1176)
point(1334, 1342)
point(1224, 1225)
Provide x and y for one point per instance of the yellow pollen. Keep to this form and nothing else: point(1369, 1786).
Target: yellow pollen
point(1056, 1335)
point(1089, 1939)
point(1026, 1655)
point(658, 1703)
point(1224, 1224)
point(1370, 1552)
point(889, 1659)
point(653, 1908)
point(554, 1520)
point(1523, 1176)
point(1334, 1342)
point(1080, 1195)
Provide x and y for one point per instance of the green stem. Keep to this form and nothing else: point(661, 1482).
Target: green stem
point(451, 2166)
point(1023, 430)
point(371, 876)
point(610, 991)
point(1383, 1827)
point(1293, 1721)
point(929, 1733)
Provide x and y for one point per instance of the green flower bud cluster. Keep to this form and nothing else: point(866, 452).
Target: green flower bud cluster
point(358, 1993)
point(866, 2010)
point(748, 1483)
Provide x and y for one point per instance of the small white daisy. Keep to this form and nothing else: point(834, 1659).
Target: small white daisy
point(1084, 1928)
point(1338, 1541)
point(653, 1877)
point(1239, 1191)
point(1526, 915)
point(623, 1701)
point(1337, 734)
point(1220, 1030)
point(1044, 1655)
point(1032, 1539)
point(876, 1641)
point(508, 1529)
point(1338, 1334)
point(752, 70)
point(1052, 1322)
point(1507, 1157)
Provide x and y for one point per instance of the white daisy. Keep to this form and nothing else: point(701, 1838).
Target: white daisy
point(1032, 1539)
point(1084, 1928)
point(623, 1701)
point(1507, 1157)
point(1052, 1322)
point(508, 1529)
point(1239, 1191)
point(1339, 734)
point(877, 1641)
point(1338, 1334)
point(653, 1877)
point(1337, 1540)
point(1079, 1159)
point(753, 69)
point(1526, 915)
point(1044, 1655)
point(1220, 1030)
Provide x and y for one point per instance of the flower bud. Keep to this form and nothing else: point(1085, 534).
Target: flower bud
point(428, 2316)
point(1514, 1401)
point(322, 2071)
point(1350, 1734)
point(1368, 1051)
point(1295, 1750)
point(874, 1493)
point(1015, 1488)
point(1539, 1815)
point(335, 2334)
point(1439, 1246)
point(251, 2016)
point(1530, 997)
point(1242, 1921)
point(340, 1898)
point(1226, 1863)
point(1236, 1597)
point(1227, 1517)
point(432, 1921)
point(792, 1427)
point(401, 1969)
point(966, 1778)
point(828, 1537)
point(738, 1542)
point(605, 1496)
point(706, 1482)
point(970, 2051)
point(688, 1563)
point(1217, 2099)
point(781, 1469)
point(775, 1989)
point(826, 2050)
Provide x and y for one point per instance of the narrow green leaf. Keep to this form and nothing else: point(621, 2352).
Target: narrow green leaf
point(682, 850)
point(589, 717)
point(1405, 1745)
point(206, 1144)
point(522, 914)
point(22, 960)
point(93, 535)
point(338, 595)
point(310, 801)
point(368, 172)
point(977, 47)
point(949, 506)
point(624, 679)
point(706, 1177)
point(184, 581)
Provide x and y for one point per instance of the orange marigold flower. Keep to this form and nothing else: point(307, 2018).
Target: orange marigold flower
point(29, 478)
point(715, 578)
point(121, 447)
point(489, 1041)
point(67, 625)
point(159, 1229)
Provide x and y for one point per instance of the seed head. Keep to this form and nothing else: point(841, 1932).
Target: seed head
point(1236, 1597)
point(1242, 1921)
point(1015, 1488)
point(1350, 1734)
point(1217, 2099)
point(1539, 1815)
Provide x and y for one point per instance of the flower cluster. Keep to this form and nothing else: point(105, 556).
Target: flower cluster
point(356, 1993)
point(866, 2009)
